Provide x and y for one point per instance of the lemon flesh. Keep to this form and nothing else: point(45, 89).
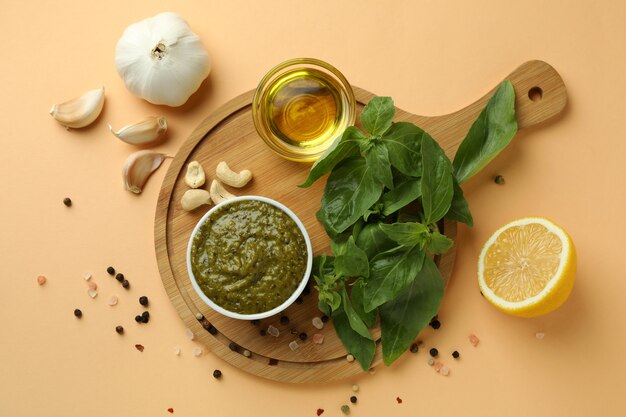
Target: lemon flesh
point(527, 267)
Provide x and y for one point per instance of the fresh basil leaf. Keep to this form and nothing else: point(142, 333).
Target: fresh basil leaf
point(373, 240)
point(405, 316)
point(345, 147)
point(377, 159)
point(323, 306)
point(350, 191)
point(352, 262)
point(357, 303)
point(323, 265)
point(404, 142)
point(436, 183)
point(491, 132)
point(406, 234)
point(378, 115)
point(459, 209)
point(402, 195)
point(335, 301)
point(390, 273)
point(355, 320)
point(438, 243)
point(360, 347)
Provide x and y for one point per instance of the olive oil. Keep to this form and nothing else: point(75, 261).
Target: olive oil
point(303, 111)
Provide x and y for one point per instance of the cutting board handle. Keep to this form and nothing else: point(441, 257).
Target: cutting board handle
point(540, 93)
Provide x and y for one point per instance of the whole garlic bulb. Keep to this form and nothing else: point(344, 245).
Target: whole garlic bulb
point(161, 60)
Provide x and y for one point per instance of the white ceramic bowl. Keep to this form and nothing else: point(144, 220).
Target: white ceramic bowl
point(289, 300)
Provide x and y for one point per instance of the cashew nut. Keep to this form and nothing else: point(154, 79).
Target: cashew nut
point(228, 176)
point(192, 199)
point(218, 193)
point(195, 175)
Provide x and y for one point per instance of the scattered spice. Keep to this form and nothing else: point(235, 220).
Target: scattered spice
point(317, 323)
point(126, 284)
point(233, 346)
point(435, 324)
point(41, 279)
point(349, 357)
point(262, 332)
point(86, 276)
point(438, 366)
point(111, 270)
point(78, 313)
point(299, 300)
point(473, 339)
point(431, 362)
point(272, 362)
point(217, 374)
point(433, 352)
point(145, 317)
point(138, 318)
point(399, 400)
point(284, 320)
point(413, 348)
point(444, 371)
point(92, 285)
point(318, 338)
point(355, 388)
point(345, 409)
point(303, 336)
point(293, 345)
point(199, 316)
point(171, 410)
point(119, 277)
point(67, 201)
point(197, 351)
point(255, 322)
point(293, 331)
point(212, 330)
point(139, 347)
point(189, 334)
point(353, 399)
point(324, 318)
point(456, 354)
point(119, 329)
point(420, 344)
point(246, 353)
point(320, 411)
point(143, 300)
point(92, 293)
point(273, 331)
point(177, 351)
point(113, 300)
point(499, 179)
point(540, 335)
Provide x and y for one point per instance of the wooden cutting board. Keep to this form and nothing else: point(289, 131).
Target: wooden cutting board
point(229, 135)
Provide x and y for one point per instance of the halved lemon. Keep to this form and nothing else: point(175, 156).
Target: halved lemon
point(527, 267)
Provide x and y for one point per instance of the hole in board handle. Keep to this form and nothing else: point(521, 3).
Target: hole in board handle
point(535, 94)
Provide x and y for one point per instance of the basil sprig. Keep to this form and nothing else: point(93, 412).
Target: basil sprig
point(387, 191)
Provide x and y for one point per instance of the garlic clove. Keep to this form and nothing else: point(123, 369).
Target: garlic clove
point(81, 111)
point(192, 199)
point(218, 193)
point(228, 176)
point(195, 175)
point(138, 167)
point(149, 131)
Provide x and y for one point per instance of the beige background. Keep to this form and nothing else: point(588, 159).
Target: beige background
point(433, 57)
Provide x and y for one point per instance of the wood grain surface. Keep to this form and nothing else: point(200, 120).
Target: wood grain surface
point(229, 134)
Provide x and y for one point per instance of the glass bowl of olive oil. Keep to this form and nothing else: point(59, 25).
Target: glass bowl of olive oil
point(301, 107)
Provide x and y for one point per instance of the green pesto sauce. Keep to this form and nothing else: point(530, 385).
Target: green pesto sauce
point(248, 257)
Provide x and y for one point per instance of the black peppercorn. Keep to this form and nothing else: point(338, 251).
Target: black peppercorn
point(434, 352)
point(111, 270)
point(67, 201)
point(78, 313)
point(138, 319)
point(212, 330)
point(353, 399)
point(303, 336)
point(435, 324)
point(455, 354)
point(119, 329)
point(145, 317)
point(233, 346)
point(262, 332)
point(324, 318)
point(125, 284)
point(284, 320)
point(143, 300)
point(499, 179)
point(217, 374)
point(414, 348)
point(254, 322)
point(119, 277)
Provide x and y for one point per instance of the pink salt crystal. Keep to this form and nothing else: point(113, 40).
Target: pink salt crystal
point(41, 279)
point(92, 293)
point(473, 339)
point(318, 338)
point(444, 371)
point(438, 366)
point(113, 300)
point(92, 285)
